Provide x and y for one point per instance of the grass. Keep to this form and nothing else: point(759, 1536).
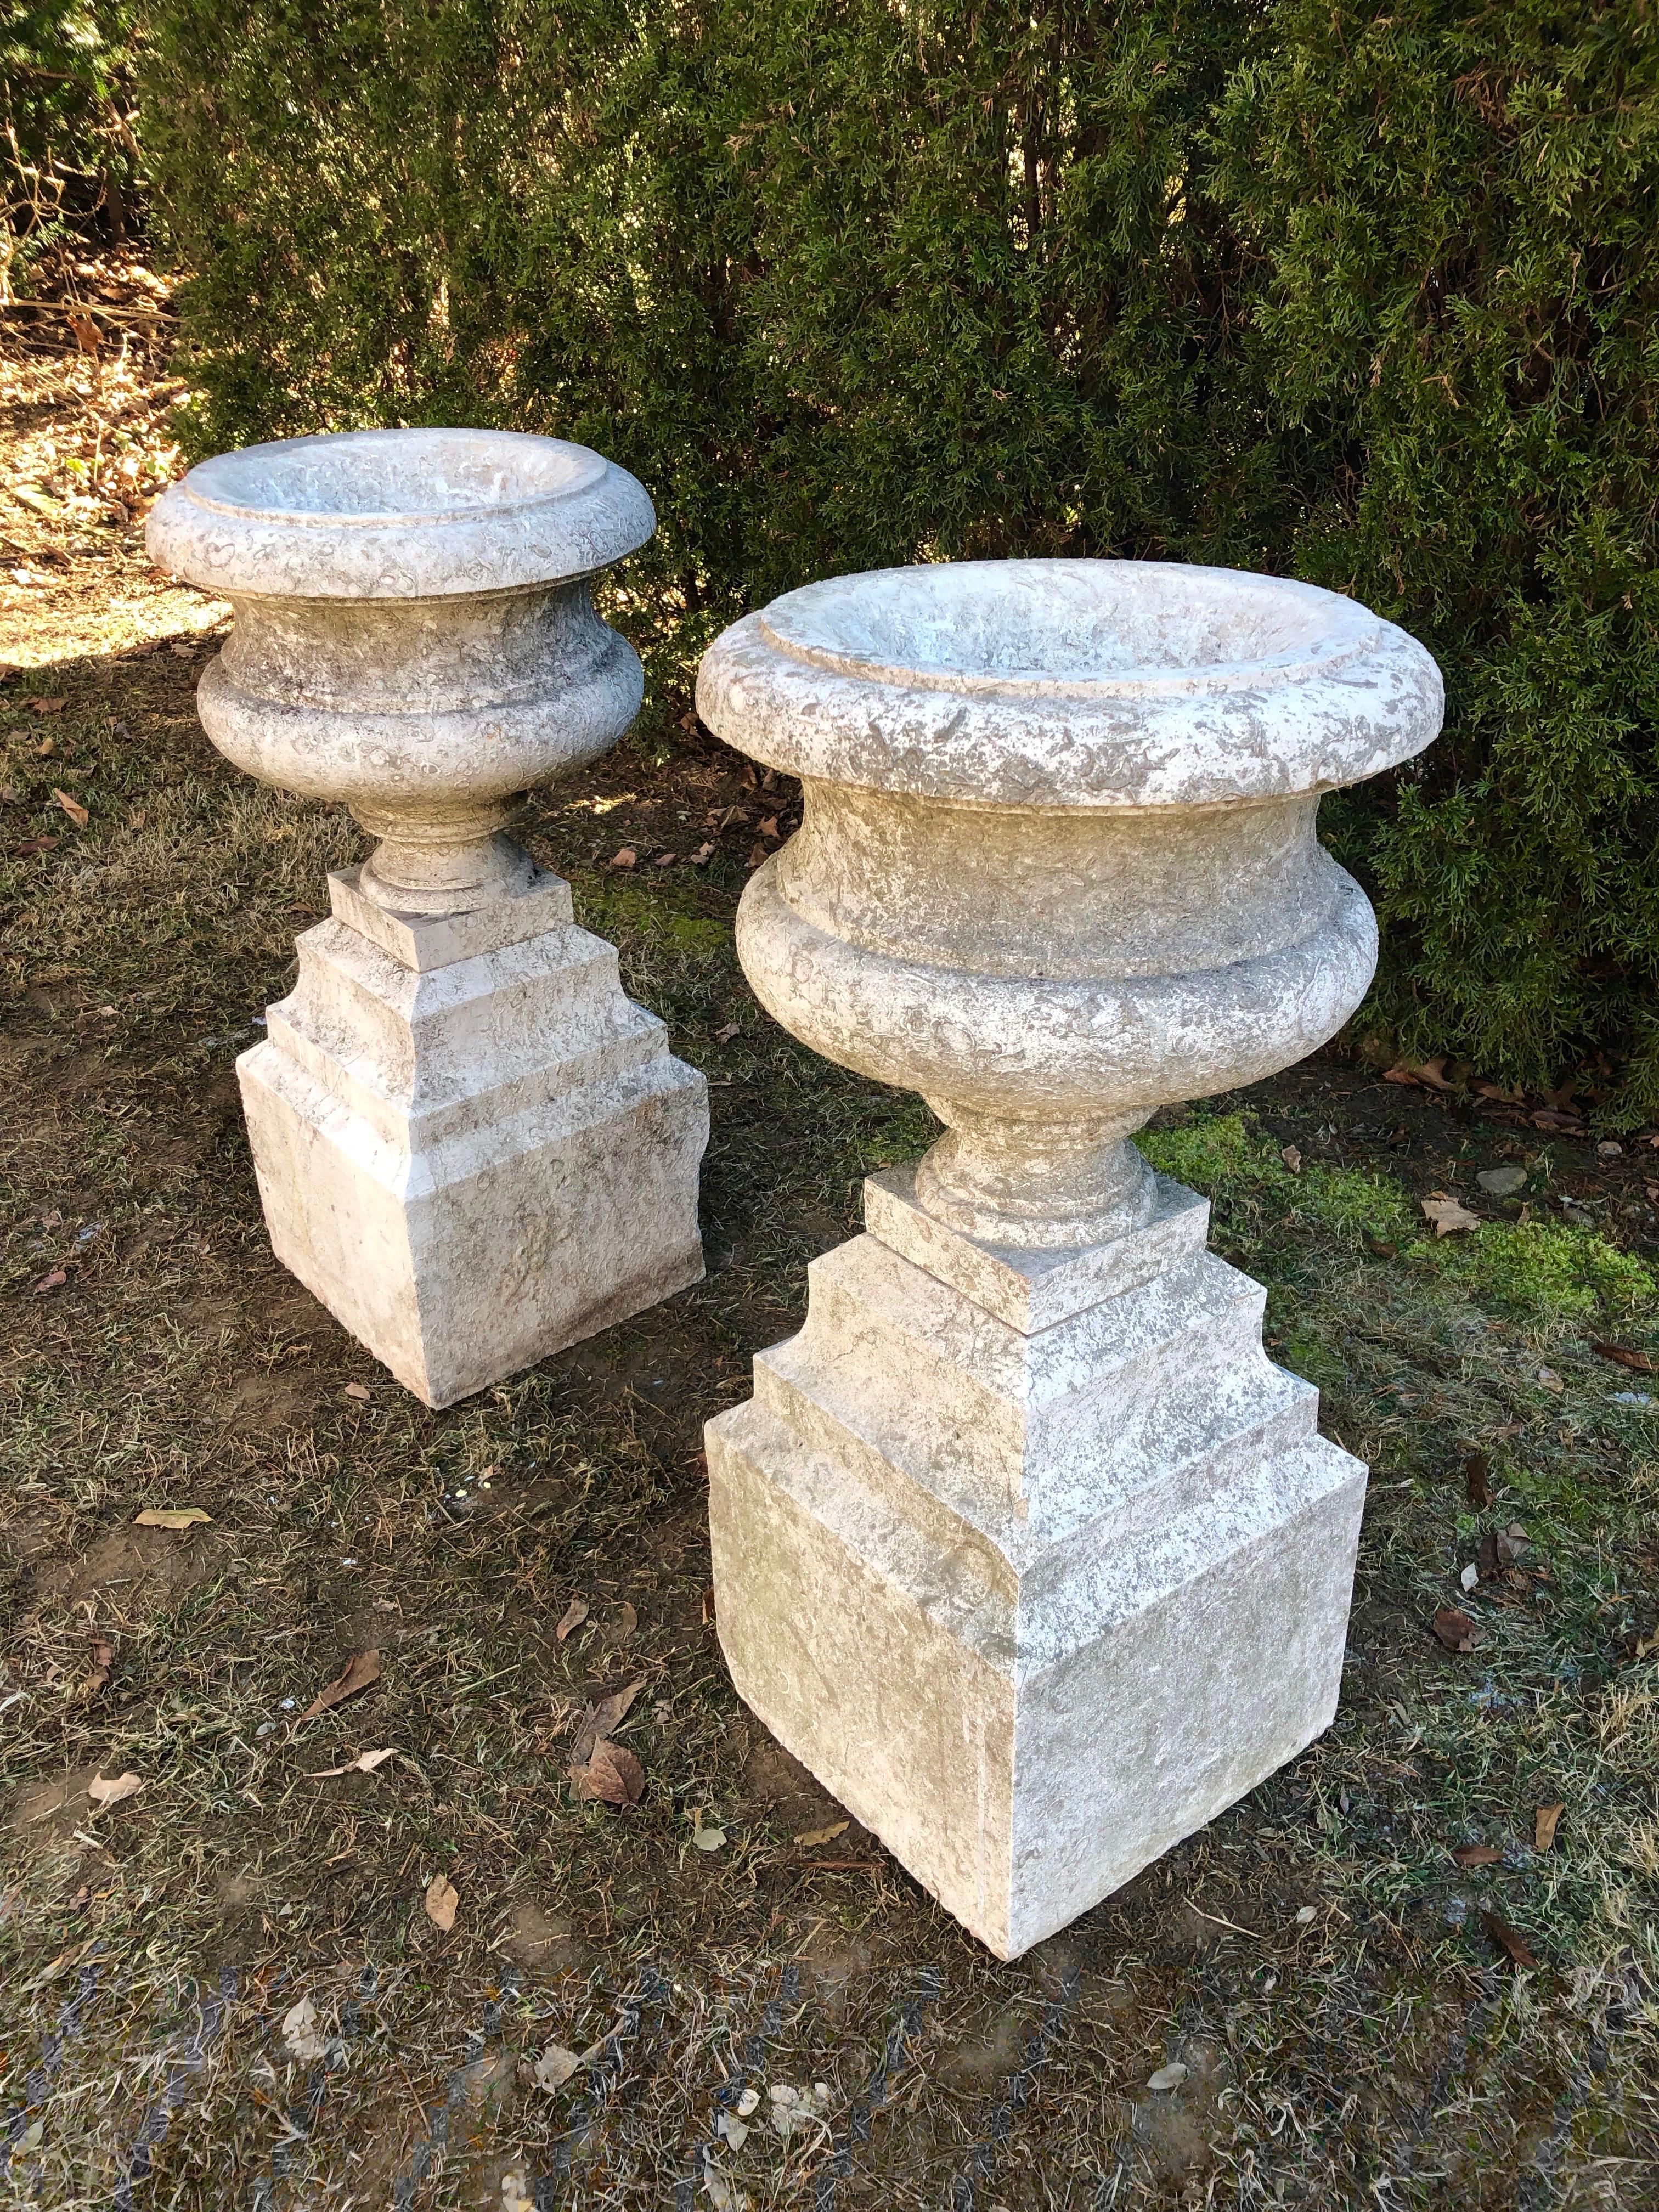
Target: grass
point(1317, 1959)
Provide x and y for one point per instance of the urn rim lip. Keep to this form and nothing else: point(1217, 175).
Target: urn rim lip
point(399, 513)
point(1010, 685)
point(1327, 630)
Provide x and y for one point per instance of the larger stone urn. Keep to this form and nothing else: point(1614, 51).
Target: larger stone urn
point(470, 1145)
point(1022, 1545)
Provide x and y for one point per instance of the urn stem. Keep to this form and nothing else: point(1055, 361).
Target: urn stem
point(1038, 1183)
point(438, 864)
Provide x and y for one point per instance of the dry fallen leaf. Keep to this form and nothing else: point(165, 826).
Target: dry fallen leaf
point(1432, 1074)
point(627, 1620)
point(52, 706)
point(360, 1391)
point(664, 859)
point(626, 857)
point(1448, 1214)
point(365, 1763)
point(703, 855)
point(105, 1794)
point(815, 1835)
point(770, 827)
point(54, 1281)
point(54, 1967)
point(300, 2035)
point(598, 1720)
point(709, 1839)
point(1550, 1379)
point(170, 1516)
point(1501, 1548)
point(707, 1604)
point(611, 1774)
point(1167, 2077)
point(1507, 1938)
point(794, 2110)
point(103, 1658)
point(726, 1036)
point(574, 1613)
point(1454, 1628)
point(1477, 1478)
point(358, 1671)
point(440, 1900)
point(1625, 1355)
point(555, 2067)
point(1476, 1854)
point(1543, 1827)
point(1292, 1158)
point(77, 813)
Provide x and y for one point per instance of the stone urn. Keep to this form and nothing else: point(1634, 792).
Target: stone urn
point(470, 1145)
point(1022, 1545)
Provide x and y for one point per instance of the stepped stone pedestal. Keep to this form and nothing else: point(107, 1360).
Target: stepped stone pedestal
point(1022, 1545)
point(470, 1145)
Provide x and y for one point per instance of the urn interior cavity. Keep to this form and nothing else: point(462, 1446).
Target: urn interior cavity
point(381, 477)
point(1088, 627)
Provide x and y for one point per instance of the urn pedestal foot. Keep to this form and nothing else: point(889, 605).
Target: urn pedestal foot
point(1033, 1556)
point(470, 1145)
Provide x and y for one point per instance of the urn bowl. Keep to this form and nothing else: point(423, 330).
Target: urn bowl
point(415, 633)
point(1058, 864)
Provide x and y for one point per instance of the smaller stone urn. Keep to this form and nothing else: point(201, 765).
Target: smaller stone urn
point(470, 1145)
point(1022, 1545)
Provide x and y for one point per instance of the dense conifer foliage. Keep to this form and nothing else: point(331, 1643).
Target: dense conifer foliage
point(1366, 294)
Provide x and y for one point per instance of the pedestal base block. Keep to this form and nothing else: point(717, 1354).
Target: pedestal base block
point(1033, 1558)
point(470, 1145)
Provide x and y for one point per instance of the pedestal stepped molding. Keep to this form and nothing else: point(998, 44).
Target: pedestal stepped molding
point(1022, 1545)
point(470, 1145)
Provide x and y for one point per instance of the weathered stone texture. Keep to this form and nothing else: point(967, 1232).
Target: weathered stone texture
point(1022, 1544)
point(470, 1145)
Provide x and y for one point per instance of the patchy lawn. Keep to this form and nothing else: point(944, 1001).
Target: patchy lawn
point(1367, 1984)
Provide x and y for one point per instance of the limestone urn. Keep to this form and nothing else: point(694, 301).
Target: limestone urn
point(1022, 1545)
point(470, 1145)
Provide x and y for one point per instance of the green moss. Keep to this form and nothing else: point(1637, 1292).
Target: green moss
point(1542, 1267)
point(1212, 1153)
point(1242, 1171)
point(658, 913)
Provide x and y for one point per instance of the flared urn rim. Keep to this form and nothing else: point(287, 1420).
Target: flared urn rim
point(398, 514)
point(1085, 684)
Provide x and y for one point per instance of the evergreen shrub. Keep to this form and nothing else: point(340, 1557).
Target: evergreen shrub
point(70, 160)
point(1363, 293)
